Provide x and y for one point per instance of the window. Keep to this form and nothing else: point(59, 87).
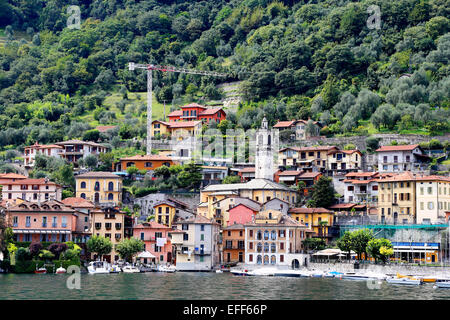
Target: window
point(142, 236)
point(202, 227)
point(273, 248)
point(148, 164)
point(111, 186)
point(15, 221)
point(259, 235)
point(98, 225)
point(118, 236)
point(54, 223)
point(281, 258)
point(202, 237)
point(83, 195)
point(281, 233)
point(185, 227)
point(185, 237)
point(44, 222)
point(281, 245)
point(273, 235)
point(430, 190)
point(108, 226)
point(250, 233)
point(266, 259)
point(97, 186)
point(430, 205)
point(259, 247)
point(259, 259)
point(273, 259)
point(83, 185)
point(266, 235)
point(250, 245)
point(266, 247)
point(28, 222)
point(110, 197)
point(118, 226)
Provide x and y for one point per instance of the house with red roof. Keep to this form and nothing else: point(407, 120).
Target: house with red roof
point(195, 111)
point(298, 127)
point(402, 158)
point(344, 161)
point(156, 240)
point(177, 129)
point(307, 158)
point(33, 190)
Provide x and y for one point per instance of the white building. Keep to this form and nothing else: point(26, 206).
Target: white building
point(401, 158)
point(30, 152)
point(196, 242)
point(264, 152)
point(432, 198)
point(33, 190)
point(361, 187)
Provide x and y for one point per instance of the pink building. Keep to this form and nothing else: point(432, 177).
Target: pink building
point(156, 240)
point(46, 221)
point(241, 214)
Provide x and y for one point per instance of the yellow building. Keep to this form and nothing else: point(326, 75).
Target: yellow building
point(306, 157)
point(103, 188)
point(108, 223)
point(344, 160)
point(164, 212)
point(259, 190)
point(397, 199)
point(319, 220)
point(178, 129)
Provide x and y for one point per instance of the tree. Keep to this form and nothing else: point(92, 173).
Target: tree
point(345, 243)
point(360, 239)
point(129, 247)
point(57, 249)
point(190, 176)
point(35, 248)
point(323, 193)
point(132, 171)
point(375, 246)
point(314, 244)
point(372, 143)
point(99, 245)
point(90, 161)
point(91, 135)
point(231, 179)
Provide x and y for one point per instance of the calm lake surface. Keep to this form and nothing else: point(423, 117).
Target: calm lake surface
point(204, 286)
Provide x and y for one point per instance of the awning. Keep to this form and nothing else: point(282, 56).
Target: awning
point(146, 254)
point(21, 231)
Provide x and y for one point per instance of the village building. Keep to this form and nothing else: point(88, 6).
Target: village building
point(233, 239)
point(343, 161)
point(273, 238)
point(47, 221)
point(33, 190)
point(30, 152)
point(401, 158)
point(102, 188)
point(298, 128)
point(319, 220)
point(195, 111)
point(169, 210)
point(108, 223)
point(142, 162)
point(156, 240)
point(305, 158)
point(196, 242)
point(176, 129)
point(74, 150)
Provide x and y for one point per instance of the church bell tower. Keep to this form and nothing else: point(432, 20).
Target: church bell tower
point(264, 152)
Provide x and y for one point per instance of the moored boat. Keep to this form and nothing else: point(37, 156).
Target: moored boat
point(164, 268)
point(60, 270)
point(405, 280)
point(442, 284)
point(239, 272)
point(268, 272)
point(115, 269)
point(41, 270)
point(130, 269)
point(98, 267)
point(291, 273)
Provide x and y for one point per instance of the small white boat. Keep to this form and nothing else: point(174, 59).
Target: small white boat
point(404, 281)
point(316, 274)
point(363, 276)
point(60, 270)
point(98, 267)
point(442, 284)
point(219, 271)
point(239, 272)
point(164, 268)
point(268, 272)
point(130, 269)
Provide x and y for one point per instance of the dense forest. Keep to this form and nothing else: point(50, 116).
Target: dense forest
point(294, 59)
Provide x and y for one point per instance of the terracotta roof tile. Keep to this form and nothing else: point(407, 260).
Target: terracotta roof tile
point(397, 148)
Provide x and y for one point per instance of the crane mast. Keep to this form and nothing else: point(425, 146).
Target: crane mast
point(150, 68)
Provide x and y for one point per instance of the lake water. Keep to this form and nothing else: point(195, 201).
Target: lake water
point(204, 286)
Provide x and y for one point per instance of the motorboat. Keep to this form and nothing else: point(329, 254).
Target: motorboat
point(60, 270)
point(165, 268)
point(130, 269)
point(239, 272)
point(333, 274)
point(427, 279)
point(145, 268)
point(219, 271)
point(442, 283)
point(291, 273)
point(98, 267)
point(115, 269)
point(268, 272)
point(405, 280)
point(362, 276)
point(41, 270)
point(316, 274)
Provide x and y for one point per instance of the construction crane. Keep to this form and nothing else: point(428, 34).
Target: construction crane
point(150, 68)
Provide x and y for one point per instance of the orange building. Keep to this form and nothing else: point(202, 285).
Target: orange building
point(143, 162)
point(234, 243)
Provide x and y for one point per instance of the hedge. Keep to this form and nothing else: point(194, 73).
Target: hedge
point(29, 266)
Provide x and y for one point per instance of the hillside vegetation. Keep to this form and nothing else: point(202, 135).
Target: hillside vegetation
point(294, 59)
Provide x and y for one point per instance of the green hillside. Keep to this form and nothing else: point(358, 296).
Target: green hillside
point(293, 59)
